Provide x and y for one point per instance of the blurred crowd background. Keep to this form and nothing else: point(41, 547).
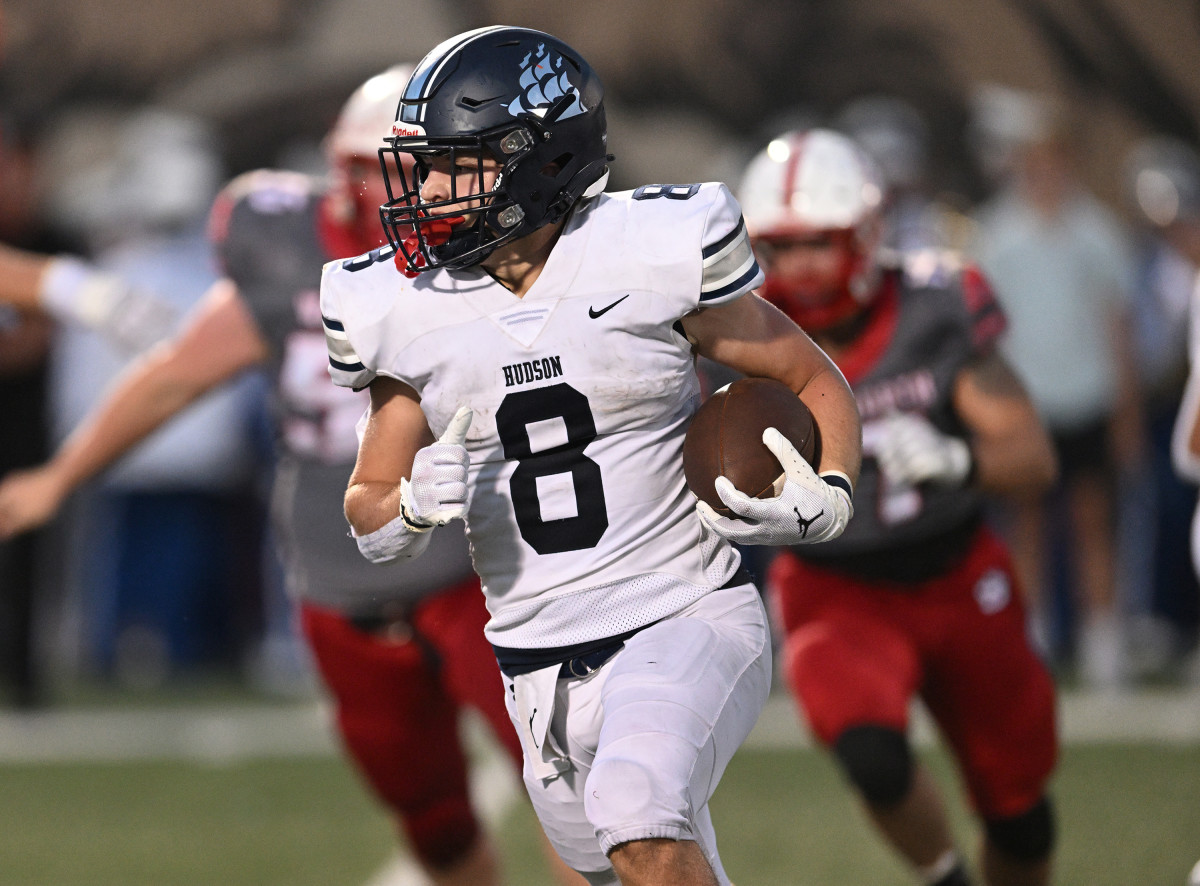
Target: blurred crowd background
point(119, 120)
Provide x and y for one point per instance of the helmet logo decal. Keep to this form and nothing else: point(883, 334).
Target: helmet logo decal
point(544, 81)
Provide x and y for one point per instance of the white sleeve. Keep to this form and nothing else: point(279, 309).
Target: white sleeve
point(346, 368)
point(730, 269)
point(133, 319)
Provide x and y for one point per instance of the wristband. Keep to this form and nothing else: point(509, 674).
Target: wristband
point(413, 524)
point(840, 480)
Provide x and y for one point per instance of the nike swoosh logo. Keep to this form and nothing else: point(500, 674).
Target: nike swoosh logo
point(593, 313)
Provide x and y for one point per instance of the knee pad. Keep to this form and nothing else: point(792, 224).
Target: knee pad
point(632, 794)
point(878, 761)
point(1026, 837)
point(443, 834)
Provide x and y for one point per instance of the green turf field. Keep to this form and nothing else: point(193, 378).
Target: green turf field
point(1129, 814)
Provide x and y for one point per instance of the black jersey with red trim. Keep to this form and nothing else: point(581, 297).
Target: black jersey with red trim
point(932, 317)
point(273, 236)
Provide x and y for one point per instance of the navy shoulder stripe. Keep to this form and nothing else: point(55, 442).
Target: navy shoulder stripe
point(740, 283)
point(712, 250)
point(346, 367)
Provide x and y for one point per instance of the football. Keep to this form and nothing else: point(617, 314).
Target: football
point(725, 439)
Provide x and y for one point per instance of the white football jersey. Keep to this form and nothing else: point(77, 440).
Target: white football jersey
point(581, 525)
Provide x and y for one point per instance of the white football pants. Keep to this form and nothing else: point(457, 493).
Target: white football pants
point(648, 735)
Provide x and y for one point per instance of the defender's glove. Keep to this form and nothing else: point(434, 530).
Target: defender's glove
point(808, 509)
point(437, 491)
point(911, 451)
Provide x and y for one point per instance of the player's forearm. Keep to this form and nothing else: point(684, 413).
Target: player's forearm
point(140, 402)
point(1011, 450)
point(1016, 462)
point(371, 505)
point(21, 278)
point(835, 411)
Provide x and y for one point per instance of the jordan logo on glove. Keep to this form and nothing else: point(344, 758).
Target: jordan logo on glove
point(803, 524)
point(779, 520)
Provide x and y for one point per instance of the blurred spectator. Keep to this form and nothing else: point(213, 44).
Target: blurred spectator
point(896, 136)
point(24, 349)
point(1003, 121)
point(1166, 188)
point(1063, 271)
point(166, 554)
point(1163, 188)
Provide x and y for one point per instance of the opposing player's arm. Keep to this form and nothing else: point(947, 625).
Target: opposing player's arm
point(21, 275)
point(220, 340)
point(1011, 450)
point(755, 338)
point(70, 289)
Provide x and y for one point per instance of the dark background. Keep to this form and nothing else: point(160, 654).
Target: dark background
point(694, 85)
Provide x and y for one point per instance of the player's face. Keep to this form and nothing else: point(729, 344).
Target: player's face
point(457, 174)
point(812, 266)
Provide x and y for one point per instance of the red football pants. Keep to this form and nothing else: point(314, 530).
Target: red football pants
point(855, 652)
point(398, 705)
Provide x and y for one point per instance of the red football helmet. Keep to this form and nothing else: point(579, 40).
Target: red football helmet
point(357, 187)
point(813, 205)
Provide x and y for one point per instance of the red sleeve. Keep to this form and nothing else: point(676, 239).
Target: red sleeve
point(984, 314)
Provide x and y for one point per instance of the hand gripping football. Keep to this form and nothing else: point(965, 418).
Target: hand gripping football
point(725, 439)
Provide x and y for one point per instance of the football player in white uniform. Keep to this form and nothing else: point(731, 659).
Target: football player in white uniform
point(546, 332)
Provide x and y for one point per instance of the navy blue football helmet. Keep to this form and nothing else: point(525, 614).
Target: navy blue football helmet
point(519, 96)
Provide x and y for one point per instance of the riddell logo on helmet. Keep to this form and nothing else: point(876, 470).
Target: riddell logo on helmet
point(407, 130)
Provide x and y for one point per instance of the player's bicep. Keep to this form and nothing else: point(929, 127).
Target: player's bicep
point(754, 337)
point(395, 429)
point(1010, 445)
point(990, 398)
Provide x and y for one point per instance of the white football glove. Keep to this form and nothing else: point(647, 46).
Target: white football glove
point(911, 450)
point(807, 509)
point(437, 491)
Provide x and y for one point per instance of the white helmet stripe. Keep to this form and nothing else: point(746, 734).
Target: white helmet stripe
point(816, 180)
point(437, 58)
